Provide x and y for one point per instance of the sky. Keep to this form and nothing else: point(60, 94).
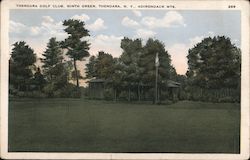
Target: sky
point(178, 30)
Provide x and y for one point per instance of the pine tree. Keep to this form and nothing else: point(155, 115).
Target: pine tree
point(77, 49)
point(54, 69)
point(52, 58)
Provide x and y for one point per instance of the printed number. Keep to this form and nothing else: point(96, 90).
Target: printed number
point(231, 6)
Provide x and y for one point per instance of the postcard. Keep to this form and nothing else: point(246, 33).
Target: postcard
point(124, 79)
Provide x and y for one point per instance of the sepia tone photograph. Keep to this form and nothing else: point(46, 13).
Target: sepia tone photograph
point(125, 78)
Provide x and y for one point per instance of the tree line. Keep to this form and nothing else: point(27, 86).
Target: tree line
point(214, 63)
point(52, 79)
point(134, 69)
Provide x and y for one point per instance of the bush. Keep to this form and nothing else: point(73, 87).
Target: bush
point(49, 89)
point(68, 91)
point(167, 102)
point(31, 94)
point(226, 99)
point(213, 95)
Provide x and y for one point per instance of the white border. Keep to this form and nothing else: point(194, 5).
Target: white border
point(180, 5)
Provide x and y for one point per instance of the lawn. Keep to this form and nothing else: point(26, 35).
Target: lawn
point(71, 125)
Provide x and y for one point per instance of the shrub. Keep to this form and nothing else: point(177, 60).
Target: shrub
point(49, 89)
point(68, 91)
point(226, 99)
point(31, 94)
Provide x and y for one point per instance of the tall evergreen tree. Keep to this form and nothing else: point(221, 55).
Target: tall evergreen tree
point(77, 48)
point(53, 56)
point(21, 63)
point(54, 69)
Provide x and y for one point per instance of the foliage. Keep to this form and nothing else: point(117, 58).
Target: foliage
point(133, 69)
point(77, 49)
point(20, 64)
point(147, 62)
point(104, 65)
point(53, 56)
point(68, 91)
point(31, 94)
point(212, 95)
point(100, 67)
point(214, 63)
point(132, 50)
point(39, 80)
point(90, 70)
point(55, 69)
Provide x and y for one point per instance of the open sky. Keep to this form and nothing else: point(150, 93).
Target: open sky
point(178, 30)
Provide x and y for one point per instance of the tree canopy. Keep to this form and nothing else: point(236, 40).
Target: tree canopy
point(214, 63)
point(53, 57)
point(21, 63)
point(76, 47)
point(100, 66)
point(147, 62)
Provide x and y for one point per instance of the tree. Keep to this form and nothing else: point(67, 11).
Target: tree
point(54, 69)
point(90, 70)
point(101, 66)
point(132, 49)
point(214, 63)
point(53, 57)
point(118, 77)
point(77, 48)
point(147, 62)
point(39, 79)
point(104, 66)
point(21, 63)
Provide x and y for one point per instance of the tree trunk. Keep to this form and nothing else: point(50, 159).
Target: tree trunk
point(115, 92)
point(139, 93)
point(159, 95)
point(129, 96)
point(76, 74)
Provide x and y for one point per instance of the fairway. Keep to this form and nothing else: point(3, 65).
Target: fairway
point(72, 125)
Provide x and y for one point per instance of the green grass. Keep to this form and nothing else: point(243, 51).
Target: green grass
point(68, 125)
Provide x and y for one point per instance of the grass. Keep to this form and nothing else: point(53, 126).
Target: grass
point(68, 125)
